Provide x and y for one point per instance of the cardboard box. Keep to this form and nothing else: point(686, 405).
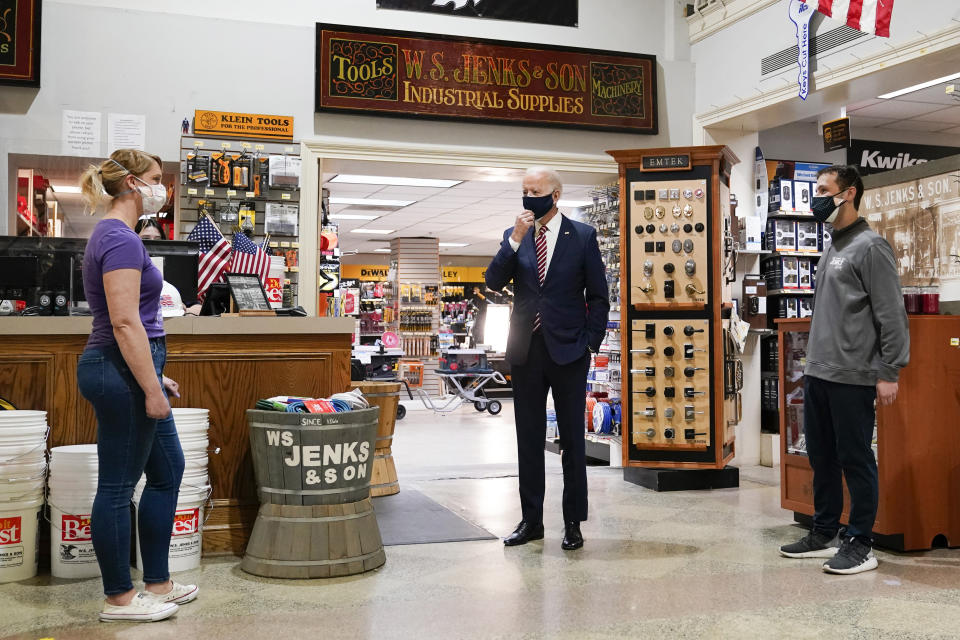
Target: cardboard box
point(789, 308)
point(806, 273)
point(791, 272)
point(751, 228)
point(782, 235)
point(805, 307)
point(809, 236)
point(754, 299)
point(801, 200)
point(786, 195)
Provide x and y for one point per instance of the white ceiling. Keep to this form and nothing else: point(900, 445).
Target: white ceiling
point(929, 110)
point(474, 212)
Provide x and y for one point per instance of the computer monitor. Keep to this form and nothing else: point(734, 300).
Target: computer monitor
point(181, 261)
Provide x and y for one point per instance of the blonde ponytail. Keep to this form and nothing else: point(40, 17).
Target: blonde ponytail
point(102, 182)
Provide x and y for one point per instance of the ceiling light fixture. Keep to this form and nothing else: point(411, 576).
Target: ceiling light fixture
point(351, 216)
point(573, 204)
point(919, 87)
point(396, 182)
point(371, 202)
point(380, 232)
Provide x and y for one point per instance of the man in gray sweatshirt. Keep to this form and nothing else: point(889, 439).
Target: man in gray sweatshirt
point(859, 341)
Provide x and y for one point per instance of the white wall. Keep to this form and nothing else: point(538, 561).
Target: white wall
point(165, 59)
point(728, 62)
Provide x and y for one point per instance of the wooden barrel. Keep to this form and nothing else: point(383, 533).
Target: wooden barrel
point(312, 459)
point(385, 395)
point(319, 541)
point(313, 476)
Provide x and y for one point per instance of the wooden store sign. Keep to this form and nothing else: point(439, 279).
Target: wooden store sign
point(426, 75)
point(20, 42)
point(242, 125)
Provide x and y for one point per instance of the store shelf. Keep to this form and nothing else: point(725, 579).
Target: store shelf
point(790, 292)
point(797, 254)
point(783, 215)
point(760, 252)
point(763, 332)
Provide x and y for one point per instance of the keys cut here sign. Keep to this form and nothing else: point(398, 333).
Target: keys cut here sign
point(424, 75)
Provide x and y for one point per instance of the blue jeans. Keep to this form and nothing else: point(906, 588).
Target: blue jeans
point(128, 444)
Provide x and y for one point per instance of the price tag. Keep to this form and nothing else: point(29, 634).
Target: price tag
point(259, 147)
point(231, 193)
point(295, 245)
point(284, 196)
point(225, 145)
point(246, 145)
point(192, 192)
point(288, 149)
point(954, 342)
point(251, 194)
point(284, 244)
point(295, 269)
point(197, 144)
point(209, 192)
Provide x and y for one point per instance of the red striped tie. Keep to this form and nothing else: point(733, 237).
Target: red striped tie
point(541, 265)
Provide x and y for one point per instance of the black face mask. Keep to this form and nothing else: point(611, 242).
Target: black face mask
point(824, 209)
point(540, 206)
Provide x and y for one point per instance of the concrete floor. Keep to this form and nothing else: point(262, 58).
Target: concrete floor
point(672, 565)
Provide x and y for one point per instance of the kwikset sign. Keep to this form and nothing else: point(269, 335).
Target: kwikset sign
point(872, 156)
point(426, 75)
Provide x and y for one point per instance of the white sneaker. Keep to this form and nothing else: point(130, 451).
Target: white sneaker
point(141, 609)
point(179, 594)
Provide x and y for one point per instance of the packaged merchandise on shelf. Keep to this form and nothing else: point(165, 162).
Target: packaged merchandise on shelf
point(751, 233)
point(805, 307)
point(221, 174)
point(789, 308)
point(809, 236)
point(284, 172)
point(786, 195)
point(261, 174)
point(247, 215)
point(208, 208)
point(198, 169)
point(229, 213)
point(782, 235)
point(806, 273)
point(802, 196)
point(281, 219)
point(790, 272)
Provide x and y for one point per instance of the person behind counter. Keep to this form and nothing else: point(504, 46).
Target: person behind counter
point(121, 374)
point(170, 301)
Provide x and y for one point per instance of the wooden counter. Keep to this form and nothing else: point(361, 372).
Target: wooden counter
point(918, 444)
point(222, 364)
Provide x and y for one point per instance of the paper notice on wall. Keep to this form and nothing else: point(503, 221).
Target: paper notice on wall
point(125, 131)
point(81, 133)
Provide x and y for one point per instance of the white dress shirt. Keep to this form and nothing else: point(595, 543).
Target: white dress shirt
point(553, 232)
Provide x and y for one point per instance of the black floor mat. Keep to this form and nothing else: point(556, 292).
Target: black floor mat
point(409, 517)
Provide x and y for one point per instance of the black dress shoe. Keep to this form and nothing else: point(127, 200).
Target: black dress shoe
point(572, 538)
point(524, 533)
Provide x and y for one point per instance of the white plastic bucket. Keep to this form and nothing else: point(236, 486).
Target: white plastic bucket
point(16, 470)
point(71, 546)
point(19, 523)
point(19, 490)
point(186, 541)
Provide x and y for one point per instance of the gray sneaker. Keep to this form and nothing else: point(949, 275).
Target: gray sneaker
point(854, 556)
point(812, 545)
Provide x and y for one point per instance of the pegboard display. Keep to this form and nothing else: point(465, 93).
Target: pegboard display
point(674, 213)
point(668, 252)
point(670, 383)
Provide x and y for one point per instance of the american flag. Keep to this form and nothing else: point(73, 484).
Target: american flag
point(869, 16)
point(214, 254)
point(249, 257)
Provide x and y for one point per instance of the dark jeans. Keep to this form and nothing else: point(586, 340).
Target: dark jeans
point(838, 422)
point(568, 383)
point(128, 445)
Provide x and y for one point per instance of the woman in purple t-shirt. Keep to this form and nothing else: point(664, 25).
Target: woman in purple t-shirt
point(121, 374)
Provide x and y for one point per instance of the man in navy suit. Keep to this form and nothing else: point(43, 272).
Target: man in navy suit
point(561, 306)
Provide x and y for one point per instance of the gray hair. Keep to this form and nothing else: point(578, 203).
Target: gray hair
point(552, 177)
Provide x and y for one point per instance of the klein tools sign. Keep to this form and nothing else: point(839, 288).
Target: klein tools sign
point(410, 74)
point(242, 125)
point(20, 42)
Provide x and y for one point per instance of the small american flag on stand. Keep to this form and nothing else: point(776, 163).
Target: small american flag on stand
point(249, 257)
point(869, 16)
point(214, 254)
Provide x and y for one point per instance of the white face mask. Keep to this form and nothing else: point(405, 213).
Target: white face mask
point(154, 196)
